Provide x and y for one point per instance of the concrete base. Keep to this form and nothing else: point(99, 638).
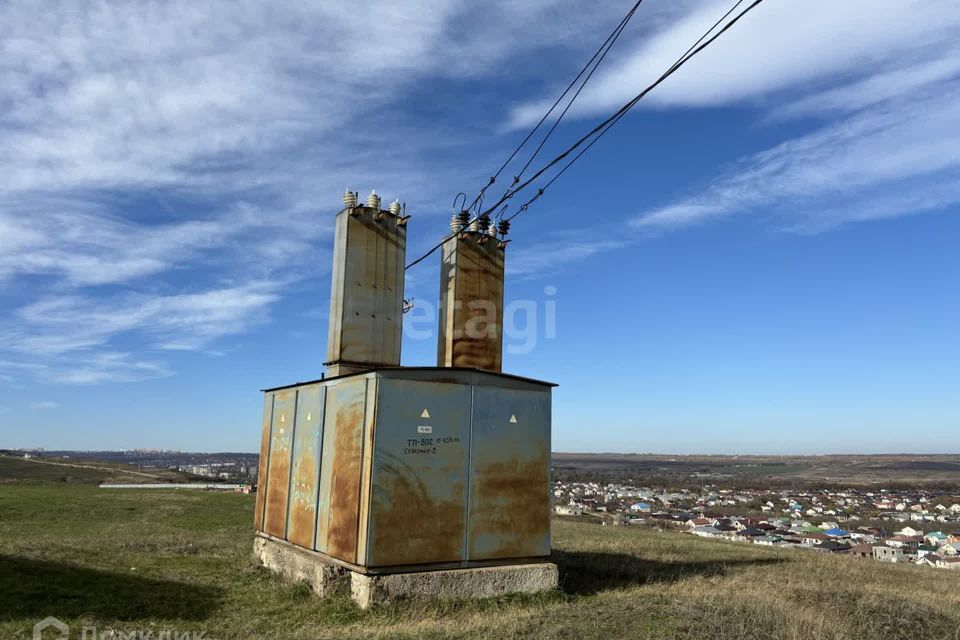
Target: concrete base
point(327, 579)
point(483, 582)
point(296, 565)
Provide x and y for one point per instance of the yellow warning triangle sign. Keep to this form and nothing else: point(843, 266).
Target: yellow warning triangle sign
point(425, 414)
point(513, 418)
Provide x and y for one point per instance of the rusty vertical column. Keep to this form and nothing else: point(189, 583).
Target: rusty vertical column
point(366, 293)
point(471, 302)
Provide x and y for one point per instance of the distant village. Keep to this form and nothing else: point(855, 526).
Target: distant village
point(916, 526)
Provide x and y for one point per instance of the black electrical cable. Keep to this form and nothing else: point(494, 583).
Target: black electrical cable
point(556, 122)
point(429, 253)
point(602, 51)
point(679, 62)
point(604, 126)
point(625, 108)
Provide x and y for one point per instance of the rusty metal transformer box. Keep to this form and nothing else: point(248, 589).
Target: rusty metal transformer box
point(409, 468)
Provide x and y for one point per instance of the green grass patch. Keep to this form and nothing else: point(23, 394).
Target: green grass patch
point(181, 560)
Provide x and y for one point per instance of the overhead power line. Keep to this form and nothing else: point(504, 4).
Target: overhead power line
point(600, 53)
point(599, 130)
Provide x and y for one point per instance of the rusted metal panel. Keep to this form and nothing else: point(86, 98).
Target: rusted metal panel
point(509, 513)
point(278, 468)
point(264, 458)
point(418, 501)
point(339, 496)
point(305, 476)
point(366, 303)
point(366, 470)
point(471, 303)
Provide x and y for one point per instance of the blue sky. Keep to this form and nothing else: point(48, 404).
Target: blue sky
point(761, 258)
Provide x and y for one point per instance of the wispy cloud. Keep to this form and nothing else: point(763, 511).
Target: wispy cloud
point(873, 90)
point(58, 325)
point(896, 159)
point(781, 48)
point(46, 404)
point(145, 144)
point(156, 155)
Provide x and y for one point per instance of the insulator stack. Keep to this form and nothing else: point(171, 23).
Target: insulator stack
point(395, 207)
point(373, 200)
point(455, 224)
point(504, 227)
point(349, 199)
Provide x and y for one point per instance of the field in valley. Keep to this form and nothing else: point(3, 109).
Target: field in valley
point(78, 471)
point(157, 560)
point(887, 471)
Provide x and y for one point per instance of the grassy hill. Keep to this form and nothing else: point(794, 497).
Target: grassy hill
point(44, 470)
point(174, 560)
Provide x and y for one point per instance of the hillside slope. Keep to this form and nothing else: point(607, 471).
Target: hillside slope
point(34, 470)
point(180, 561)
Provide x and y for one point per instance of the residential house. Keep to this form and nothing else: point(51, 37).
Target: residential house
point(905, 542)
point(949, 563)
point(884, 553)
point(568, 510)
point(929, 560)
point(935, 538)
point(833, 546)
point(951, 549)
point(693, 523)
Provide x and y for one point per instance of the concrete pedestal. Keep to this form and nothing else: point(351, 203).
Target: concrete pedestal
point(297, 565)
point(327, 578)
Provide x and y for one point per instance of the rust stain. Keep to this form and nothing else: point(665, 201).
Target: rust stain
point(302, 516)
point(475, 309)
point(366, 302)
point(303, 502)
point(510, 506)
point(264, 456)
point(278, 480)
point(413, 528)
point(345, 482)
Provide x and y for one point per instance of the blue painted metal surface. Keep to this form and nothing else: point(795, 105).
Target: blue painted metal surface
point(419, 488)
point(305, 473)
point(509, 474)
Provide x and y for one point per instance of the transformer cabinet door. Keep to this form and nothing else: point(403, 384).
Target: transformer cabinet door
point(419, 484)
point(510, 474)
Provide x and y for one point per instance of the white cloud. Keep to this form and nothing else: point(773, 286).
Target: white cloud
point(143, 142)
point(46, 404)
point(780, 47)
point(898, 159)
point(63, 324)
point(882, 81)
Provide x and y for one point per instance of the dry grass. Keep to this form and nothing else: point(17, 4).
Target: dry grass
point(181, 560)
